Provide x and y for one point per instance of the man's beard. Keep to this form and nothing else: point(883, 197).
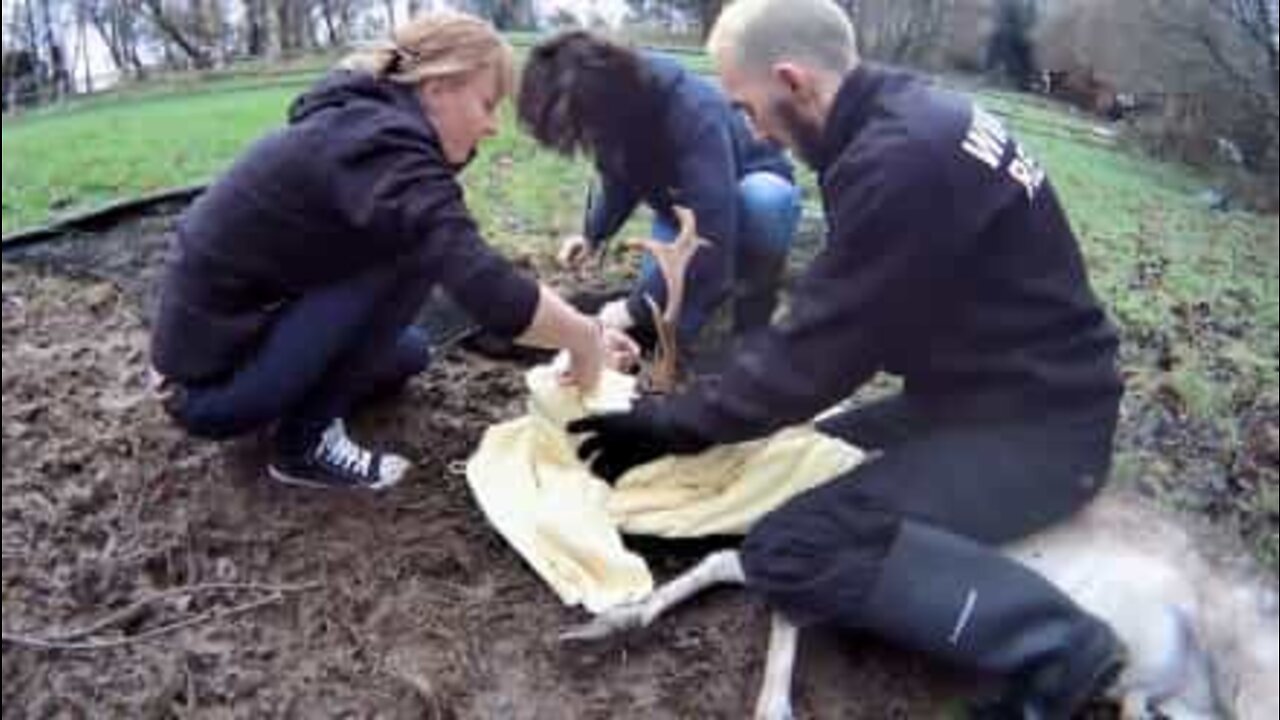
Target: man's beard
point(806, 138)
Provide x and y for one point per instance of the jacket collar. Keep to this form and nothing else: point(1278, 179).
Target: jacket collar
point(853, 106)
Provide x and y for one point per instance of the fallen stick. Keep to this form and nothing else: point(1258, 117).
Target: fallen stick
point(66, 640)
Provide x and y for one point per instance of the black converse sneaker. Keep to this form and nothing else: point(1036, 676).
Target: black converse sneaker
point(338, 462)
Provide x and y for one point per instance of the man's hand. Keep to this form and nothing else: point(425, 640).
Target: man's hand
point(617, 442)
point(574, 252)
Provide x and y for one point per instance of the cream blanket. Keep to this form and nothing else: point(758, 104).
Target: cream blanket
point(568, 524)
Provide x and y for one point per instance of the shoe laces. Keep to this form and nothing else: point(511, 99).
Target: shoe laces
point(341, 451)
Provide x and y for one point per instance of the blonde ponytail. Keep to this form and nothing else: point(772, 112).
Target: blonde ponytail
point(437, 45)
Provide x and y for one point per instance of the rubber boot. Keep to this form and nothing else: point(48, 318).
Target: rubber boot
point(965, 603)
point(757, 297)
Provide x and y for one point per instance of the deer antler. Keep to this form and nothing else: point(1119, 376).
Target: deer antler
point(673, 262)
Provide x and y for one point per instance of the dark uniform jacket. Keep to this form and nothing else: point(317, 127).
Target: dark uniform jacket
point(949, 262)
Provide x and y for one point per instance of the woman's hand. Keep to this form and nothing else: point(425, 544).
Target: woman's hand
point(607, 347)
point(621, 352)
point(574, 253)
point(587, 355)
point(589, 345)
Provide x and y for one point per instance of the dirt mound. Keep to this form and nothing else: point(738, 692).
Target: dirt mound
point(311, 604)
point(305, 604)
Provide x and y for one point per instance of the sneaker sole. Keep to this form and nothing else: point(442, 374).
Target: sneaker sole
point(285, 478)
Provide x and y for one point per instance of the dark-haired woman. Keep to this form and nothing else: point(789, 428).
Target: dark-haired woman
point(662, 135)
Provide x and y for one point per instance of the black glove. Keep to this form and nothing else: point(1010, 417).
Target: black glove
point(617, 442)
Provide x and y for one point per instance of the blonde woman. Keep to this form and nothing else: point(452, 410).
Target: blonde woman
point(298, 273)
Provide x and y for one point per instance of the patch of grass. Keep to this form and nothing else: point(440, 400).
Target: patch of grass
point(1200, 396)
point(1126, 468)
point(517, 188)
point(1173, 273)
point(70, 162)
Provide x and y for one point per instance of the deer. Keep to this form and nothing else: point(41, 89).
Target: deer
point(1201, 636)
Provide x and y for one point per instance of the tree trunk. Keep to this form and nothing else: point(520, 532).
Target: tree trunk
point(83, 49)
point(198, 57)
point(33, 35)
point(708, 11)
point(139, 69)
point(123, 17)
point(256, 36)
point(1266, 35)
point(284, 26)
point(110, 34)
point(306, 26)
point(48, 78)
point(60, 74)
point(326, 13)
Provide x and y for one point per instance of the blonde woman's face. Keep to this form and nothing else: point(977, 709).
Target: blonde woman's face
point(463, 112)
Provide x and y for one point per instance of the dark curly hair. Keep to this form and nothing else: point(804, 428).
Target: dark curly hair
point(582, 93)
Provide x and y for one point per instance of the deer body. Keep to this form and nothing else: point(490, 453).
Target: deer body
point(1202, 638)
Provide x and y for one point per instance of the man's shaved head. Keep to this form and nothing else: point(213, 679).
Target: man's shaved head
point(753, 35)
point(783, 62)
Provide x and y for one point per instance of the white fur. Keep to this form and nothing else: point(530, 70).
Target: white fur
point(1200, 642)
point(774, 700)
point(1202, 636)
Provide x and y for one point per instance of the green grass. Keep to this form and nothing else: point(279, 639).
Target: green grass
point(1202, 284)
point(67, 162)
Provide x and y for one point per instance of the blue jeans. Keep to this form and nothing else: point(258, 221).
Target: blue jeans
point(326, 352)
point(769, 210)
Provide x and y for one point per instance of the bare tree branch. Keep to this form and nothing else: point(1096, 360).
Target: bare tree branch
point(198, 56)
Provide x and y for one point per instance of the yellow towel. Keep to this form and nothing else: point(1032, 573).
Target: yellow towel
point(567, 524)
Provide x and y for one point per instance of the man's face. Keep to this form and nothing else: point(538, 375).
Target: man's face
point(774, 111)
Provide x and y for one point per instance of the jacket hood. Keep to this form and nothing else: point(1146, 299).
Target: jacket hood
point(343, 87)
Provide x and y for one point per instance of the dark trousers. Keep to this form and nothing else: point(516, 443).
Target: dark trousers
point(818, 556)
point(769, 211)
point(324, 353)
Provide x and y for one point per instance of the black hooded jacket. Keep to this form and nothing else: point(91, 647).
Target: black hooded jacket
point(949, 262)
point(356, 179)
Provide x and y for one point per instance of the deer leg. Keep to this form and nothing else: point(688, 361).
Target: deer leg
point(774, 701)
point(723, 567)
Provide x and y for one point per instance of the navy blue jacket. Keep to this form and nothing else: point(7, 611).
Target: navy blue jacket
point(949, 262)
point(357, 178)
point(701, 148)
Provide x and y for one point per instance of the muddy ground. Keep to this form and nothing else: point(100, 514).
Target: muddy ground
point(310, 604)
